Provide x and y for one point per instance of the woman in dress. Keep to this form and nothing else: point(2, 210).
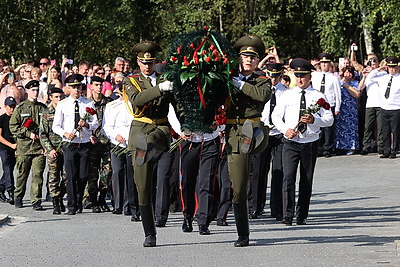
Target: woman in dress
point(346, 123)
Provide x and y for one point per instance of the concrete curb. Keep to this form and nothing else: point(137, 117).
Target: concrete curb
point(4, 218)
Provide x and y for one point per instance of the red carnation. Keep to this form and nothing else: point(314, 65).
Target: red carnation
point(216, 58)
point(326, 106)
point(212, 47)
point(173, 59)
point(185, 61)
point(196, 60)
point(203, 52)
point(191, 45)
point(226, 60)
point(215, 52)
point(28, 123)
point(91, 111)
point(208, 59)
point(178, 50)
point(206, 28)
point(321, 102)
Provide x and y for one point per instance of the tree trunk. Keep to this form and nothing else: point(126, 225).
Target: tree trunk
point(367, 32)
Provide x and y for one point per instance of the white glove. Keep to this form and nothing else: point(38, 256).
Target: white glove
point(165, 86)
point(238, 83)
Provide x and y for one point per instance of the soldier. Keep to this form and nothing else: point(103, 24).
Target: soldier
point(7, 152)
point(150, 129)
point(116, 124)
point(301, 139)
point(55, 158)
point(328, 84)
point(244, 131)
point(69, 123)
point(24, 125)
point(99, 160)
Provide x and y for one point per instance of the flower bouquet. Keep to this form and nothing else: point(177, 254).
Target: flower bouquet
point(199, 64)
point(312, 109)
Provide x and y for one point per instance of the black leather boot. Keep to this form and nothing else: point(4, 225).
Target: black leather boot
point(242, 224)
point(149, 227)
point(61, 202)
point(11, 197)
point(102, 201)
point(56, 205)
point(95, 205)
point(187, 226)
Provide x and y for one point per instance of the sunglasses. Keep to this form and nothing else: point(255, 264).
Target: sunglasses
point(101, 73)
point(42, 63)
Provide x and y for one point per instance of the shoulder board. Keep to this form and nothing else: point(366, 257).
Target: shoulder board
point(20, 104)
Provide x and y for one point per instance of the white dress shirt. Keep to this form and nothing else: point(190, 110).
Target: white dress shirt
point(332, 87)
point(374, 99)
point(117, 121)
point(393, 101)
point(286, 114)
point(64, 119)
point(279, 90)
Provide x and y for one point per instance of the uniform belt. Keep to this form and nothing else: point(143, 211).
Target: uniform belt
point(241, 121)
point(151, 121)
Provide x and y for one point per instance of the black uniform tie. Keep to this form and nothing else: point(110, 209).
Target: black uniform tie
point(149, 79)
point(272, 104)
point(322, 89)
point(77, 115)
point(387, 93)
point(302, 126)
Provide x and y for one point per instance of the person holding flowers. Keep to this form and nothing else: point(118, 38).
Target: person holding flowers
point(299, 115)
point(74, 121)
point(24, 125)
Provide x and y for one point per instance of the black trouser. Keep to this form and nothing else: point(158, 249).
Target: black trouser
point(390, 129)
point(373, 124)
point(123, 186)
point(275, 146)
point(225, 190)
point(293, 154)
point(257, 184)
point(199, 160)
point(162, 174)
point(8, 161)
point(76, 163)
point(327, 136)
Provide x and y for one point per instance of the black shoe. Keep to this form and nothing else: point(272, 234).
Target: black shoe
point(127, 213)
point(203, 230)
point(380, 152)
point(96, 209)
point(3, 197)
point(18, 203)
point(117, 211)
point(87, 204)
point(221, 222)
point(62, 206)
point(149, 241)
point(384, 156)
point(392, 156)
point(56, 210)
point(71, 212)
point(279, 218)
point(327, 154)
point(37, 206)
point(301, 222)
point(105, 207)
point(80, 209)
point(160, 223)
point(287, 221)
point(243, 241)
point(187, 226)
point(363, 152)
point(135, 218)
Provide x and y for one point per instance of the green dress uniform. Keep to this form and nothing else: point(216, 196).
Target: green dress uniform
point(29, 152)
point(50, 141)
point(247, 106)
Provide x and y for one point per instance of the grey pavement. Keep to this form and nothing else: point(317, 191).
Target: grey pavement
point(354, 221)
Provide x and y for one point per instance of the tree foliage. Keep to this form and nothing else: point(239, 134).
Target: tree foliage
point(98, 31)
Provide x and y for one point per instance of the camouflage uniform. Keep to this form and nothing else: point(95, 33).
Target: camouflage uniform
point(50, 141)
point(99, 158)
point(29, 152)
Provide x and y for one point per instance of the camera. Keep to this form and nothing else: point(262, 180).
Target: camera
point(70, 61)
point(354, 47)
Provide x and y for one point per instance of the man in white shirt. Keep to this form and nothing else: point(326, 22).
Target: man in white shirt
point(116, 125)
point(76, 132)
point(389, 86)
point(261, 162)
point(301, 132)
point(372, 107)
point(328, 84)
